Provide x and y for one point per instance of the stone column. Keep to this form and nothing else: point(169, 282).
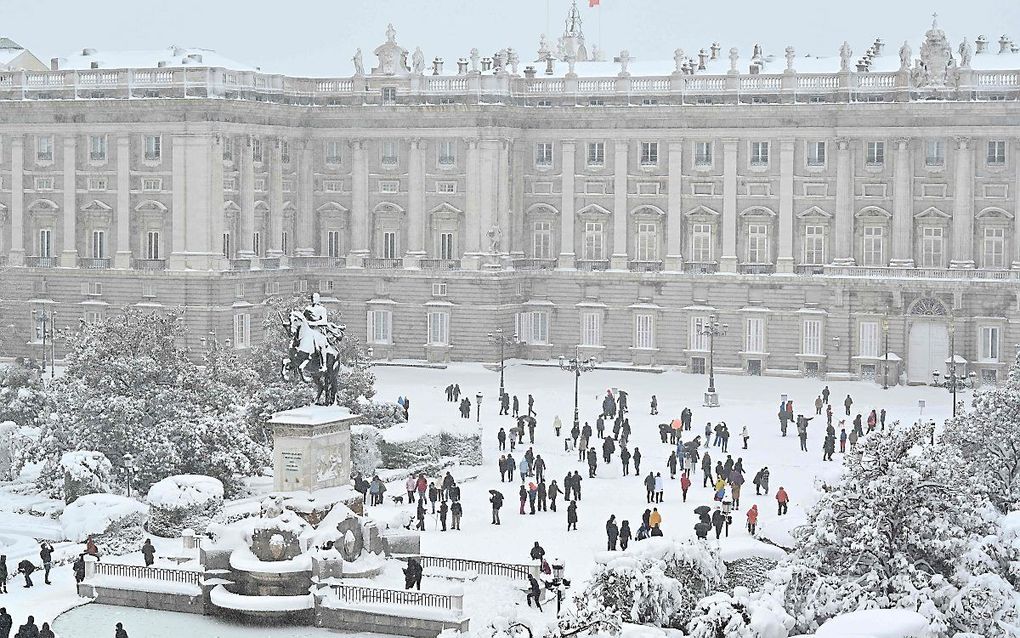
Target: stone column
point(415, 204)
point(473, 204)
point(567, 255)
point(17, 253)
point(903, 206)
point(518, 164)
point(963, 206)
point(359, 217)
point(842, 240)
point(488, 191)
point(122, 259)
point(503, 184)
point(178, 205)
point(69, 254)
point(785, 260)
point(674, 214)
point(246, 223)
point(304, 243)
point(197, 165)
point(1016, 222)
point(728, 259)
point(618, 259)
point(274, 227)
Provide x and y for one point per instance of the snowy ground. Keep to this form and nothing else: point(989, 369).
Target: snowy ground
point(745, 401)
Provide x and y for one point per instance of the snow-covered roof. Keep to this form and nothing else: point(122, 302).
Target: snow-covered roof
point(171, 56)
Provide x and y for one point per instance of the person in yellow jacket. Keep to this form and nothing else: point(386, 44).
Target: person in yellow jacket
point(656, 518)
point(721, 483)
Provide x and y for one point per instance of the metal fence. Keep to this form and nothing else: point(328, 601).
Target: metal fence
point(353, 594)
point(483, 568)
point(149, 573)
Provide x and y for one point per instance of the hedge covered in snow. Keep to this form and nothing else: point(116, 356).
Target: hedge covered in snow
point(182, 502)
point(114, 522)
point(365, 455)
point(85, 472)
point(425, 447)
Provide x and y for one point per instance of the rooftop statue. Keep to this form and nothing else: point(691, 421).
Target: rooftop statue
point(359, 64)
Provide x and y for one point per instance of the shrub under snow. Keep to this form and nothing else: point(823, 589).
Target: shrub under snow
point(114, 522)
point(365, 455)
point(85, 472)
point(182, 502)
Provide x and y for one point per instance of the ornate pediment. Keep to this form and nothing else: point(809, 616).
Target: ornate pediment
point(594, 210)
point(994, 212)
point(932, 213)
point(936, 67)
point(152, 206)
point(758, 211)
point(814, 213)
point(392, 57)
point(42, 206)
point(647, 210)
point(874, 211)
point(331, 208)
point(542, 209)
point(230, 207)
point(262, 206)
point(702, 211)
point(388, 208)
point(446, 211)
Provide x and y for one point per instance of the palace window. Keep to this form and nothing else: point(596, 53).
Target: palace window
point(994, 248)
point(43, 183)
point(814, 245)
point(332, 185)
point(996, 153)
point(226, 245)
point(759, 153)
point(333, 151)
point(389, 247)
point(390, 153)
point(228, 148)
point(647, 242)
point(242, 330)
point(754, 337)
point(285, 151)
point(816, 154)
point(439, 328)
point(333, 243)
point(698, 341)
point(644, 331)
point(99, 244)
point(596, 153)
point(543, 154)
point(44, 148)
point(990, 344)
point(591, 329)
point(96, 183)
point(389, 95)
point(380, 326)
point(285, 242)
point(389, 187)
point(256, 150)
point(757, 244)
point(701, 243)
point(703, 153)
point(873, 246)
point(45, 243)
point(152, 245)
point(532, 327)
point(649, 153)
point(446, 188)
point(447, 153)
point(446, 250)
point(97, 148)
point(868, 335)
point(875, 153)
point(812, 337)
point(594, 241)
point(256, 243)
point(153, 145)
point(541, 238)
point(931, 247)
point(934, 153)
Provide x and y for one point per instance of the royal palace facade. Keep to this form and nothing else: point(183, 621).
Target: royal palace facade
point(829, 211)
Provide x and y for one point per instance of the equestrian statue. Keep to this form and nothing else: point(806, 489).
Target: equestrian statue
point(314, 351)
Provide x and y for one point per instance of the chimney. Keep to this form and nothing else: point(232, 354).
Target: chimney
point(862, 65)
point(486, 64)
point(94, 65)
point(549, 70)
point(981, 44)
point(54, 64)
point(195, 57)
point(462, 66)
point(1004, 44)
point(715, 50)
point(161, 64)
point(878, 46)
point(754, 68)
point(178, 51)
point(702, 57)
point(529, 72)
point(88, 52)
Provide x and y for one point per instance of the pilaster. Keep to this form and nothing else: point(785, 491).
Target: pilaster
point(903, 207)
point(503, 185)
point(246, 222)
point(415, 202)
point(197, 169)
point(360, 214)
point(674, 213)
point(618, 260)
point(728, 259)
point(785, 260)
point(567, 157)
point(16, 256)
point(274, 225)
point(304, 245)
point(122, 258)
point(1016, 198)
point(963, 206)
point(69, 252)
point(843, 221)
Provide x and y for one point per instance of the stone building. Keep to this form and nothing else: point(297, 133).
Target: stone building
point(828, 210)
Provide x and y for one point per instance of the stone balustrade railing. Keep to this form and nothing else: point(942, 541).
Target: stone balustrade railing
point(203, 82)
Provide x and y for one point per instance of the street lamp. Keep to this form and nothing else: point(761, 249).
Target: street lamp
point(503, 340)
point(47, 320)
point(712, 329)
point(577, 366)
point(129, 470)
point(478, 408)
point(559, 582)
point(885, 372)
point(951, 380)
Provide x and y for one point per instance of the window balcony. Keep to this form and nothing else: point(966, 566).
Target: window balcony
point(593, 264)
point(40, 262)
point(150, 264)
point(439, 264)
point(93, 263)
point(533, 263)
point(240, 264)
point(701, 267)
point(645, 265)
point(318, 261)
point(269, 263)
point(757, 269)
point(809, 269)
point(383, 263)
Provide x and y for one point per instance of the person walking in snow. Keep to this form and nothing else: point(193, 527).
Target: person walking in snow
point(685, 484)
point(658, 488)
point(497, 502)
point(412, 574)
point(761, 481)
point(553, 492)
point(557, 425)
point(577, 485)
point(433, 495)
point(501, 437)
point(650, 487)
point(706, 468)
point(625, 459)
point(542, 494)
point(516, 407)
point(523, 494)
point(783, 418)
point(531, 406)
point(819, 402)
point(718, 520)
point(636, 457)
point(532, 496)
point(421, 514)
point(842, 440)
point(148, 552)
point(26, 567)
point(46, 555)
point(825, 394)
point(847, 402)
point(752, 519)
point(504, 404)
point(456, 512)
point(593, 462)
point(671, 464)
point(744, 434)
point(444, 509)
point(6, 623)
point(655, 405)
point(538, 467)
point(572, 516)
point(783, 499)
point(612, 533)
point(523, 468)
point(828, 447)
point(608, 447)
point(736, 483)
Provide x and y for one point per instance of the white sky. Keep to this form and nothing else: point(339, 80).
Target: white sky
point(302, 37)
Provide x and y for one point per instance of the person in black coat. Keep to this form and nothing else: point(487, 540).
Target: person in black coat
point(625, 535)
point(3, 574)
point(608, 447)
point(625, 459)
point(456, 511)
point(148, 552)
point(120, 633)
point(537, 552)
point(6, 623)
point(554, 491)
point(593, 462)
point(412, 574)
point(28, 630)
point(501, 437)
point(26, 567)
point(46, 632)
point(421, 514)
point(444, 509)
point(534, 591)
point(572, 516)
point(612, 533)
point(718, 520)
point(701, 529)
point(636, 457)
point(650, 487)
point(577, 486)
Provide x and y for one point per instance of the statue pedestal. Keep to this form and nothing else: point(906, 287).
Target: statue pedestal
point(312, 448)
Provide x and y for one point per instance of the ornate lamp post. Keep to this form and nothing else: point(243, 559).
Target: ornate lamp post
point(478, 408)
point(129, 470)
point(577, 366)
point(885, 372)
point(47, 320)
point(952, 381)
point(712, 329)
point(498, 336)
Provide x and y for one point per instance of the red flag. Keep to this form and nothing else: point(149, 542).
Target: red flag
point(593, 3)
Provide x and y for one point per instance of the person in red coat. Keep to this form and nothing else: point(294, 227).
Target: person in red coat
point(783, 499)
point(752, 519)
point(685, 484)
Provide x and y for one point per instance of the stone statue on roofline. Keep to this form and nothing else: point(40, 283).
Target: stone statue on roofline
point(966, 52)
point(359, 64)
point(845, 53)
point(905, 54)
point(418, 61)
point(678, 60)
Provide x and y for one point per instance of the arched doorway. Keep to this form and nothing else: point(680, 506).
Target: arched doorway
point(928, 344)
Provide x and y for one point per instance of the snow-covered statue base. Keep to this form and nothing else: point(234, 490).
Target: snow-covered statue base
point(312, 448)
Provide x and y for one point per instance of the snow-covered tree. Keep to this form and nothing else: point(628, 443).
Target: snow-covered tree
point(741, 614)
point(129, 387)
point(989, 437)
point(22, 395)
point(85, 473)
